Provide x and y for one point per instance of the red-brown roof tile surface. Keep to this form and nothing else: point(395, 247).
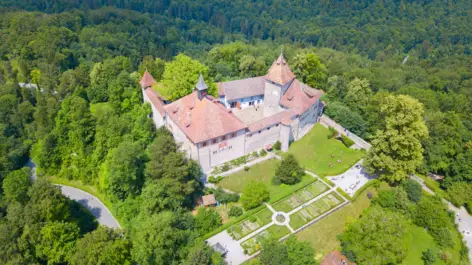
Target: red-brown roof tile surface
point(155, 100)
point(336, 258)
point(300, 97)
point(204, 119)
point(147, 80)
point(279, 72)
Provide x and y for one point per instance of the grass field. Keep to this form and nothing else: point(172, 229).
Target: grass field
point(263, 172)
point(322, 234)
point(300, 197)
point(250, 224)
point(314, 152)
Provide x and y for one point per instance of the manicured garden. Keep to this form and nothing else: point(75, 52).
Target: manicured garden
point(323, 234)
point(314, 210)
point(325, 157)
point(300, 197)
point(250, 224)
point(263, 172)
point(252, 245)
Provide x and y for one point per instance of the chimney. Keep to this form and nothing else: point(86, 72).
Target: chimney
point(189, 119)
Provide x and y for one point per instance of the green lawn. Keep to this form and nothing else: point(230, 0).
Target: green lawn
point(264, 172)
point(322, 234)
point(314, 152)
point(253, 244)
point(418, 241)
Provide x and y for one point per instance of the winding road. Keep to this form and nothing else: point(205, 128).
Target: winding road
point(92, 203)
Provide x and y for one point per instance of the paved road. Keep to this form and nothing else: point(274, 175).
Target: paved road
point(92, 203)
point(463, 219)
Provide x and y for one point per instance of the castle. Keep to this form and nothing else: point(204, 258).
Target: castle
point(248, 115)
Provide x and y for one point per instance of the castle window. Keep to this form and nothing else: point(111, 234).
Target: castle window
point(214, 141)
point(232, 135)
point(259, 131)
point(268, 128)
point(277, 125)
point(223, 138)
point(204, 144)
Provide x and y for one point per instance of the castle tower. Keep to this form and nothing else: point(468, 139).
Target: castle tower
point(278, 79)
point(202, 88)
point(147, 80)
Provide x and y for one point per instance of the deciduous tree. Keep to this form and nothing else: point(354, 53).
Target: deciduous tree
point(396, 149)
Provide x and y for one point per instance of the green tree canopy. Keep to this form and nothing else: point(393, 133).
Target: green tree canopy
point(254, 194)
point(358, 94)
point(15, 185)
point(377, 237)
point(308, 68)
point(102, 246)
point(289, 171)
point(396, 149)
point(180, 77)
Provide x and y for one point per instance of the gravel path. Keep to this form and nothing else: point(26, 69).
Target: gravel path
point(92, 203)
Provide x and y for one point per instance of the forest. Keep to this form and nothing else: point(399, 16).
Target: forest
point(69, 99)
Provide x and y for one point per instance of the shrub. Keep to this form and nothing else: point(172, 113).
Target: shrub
point(429, 256)
point(225, 167)
point(459, 193)
point(254, 194)
point(413, 189)
point(263, 152)
point(214, 180)
point(332, 132)
point(346, 141)
point(246, 168)
point(277, 146)
point(235, 211)
point(252, 219)
point(255, 154)
point(289, 171)
point(468, 207)
point(225, 197)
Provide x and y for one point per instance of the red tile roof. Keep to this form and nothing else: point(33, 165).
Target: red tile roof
point(147, 80)
point(300, 97)
point(336, 258)
point(204, 119)
point(279, 72)
point(209, 199)
point(155, 100)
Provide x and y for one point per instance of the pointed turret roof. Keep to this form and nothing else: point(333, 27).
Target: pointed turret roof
point(147, 80)
point(279, 72)
point(201, 85)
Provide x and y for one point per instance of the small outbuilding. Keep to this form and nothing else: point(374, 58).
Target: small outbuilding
point(336, 258)
point(208, 200)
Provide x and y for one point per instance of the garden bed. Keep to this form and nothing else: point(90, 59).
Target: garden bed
point(250, 224)
point(253, 244)
point(300, 197)
point(314, 210)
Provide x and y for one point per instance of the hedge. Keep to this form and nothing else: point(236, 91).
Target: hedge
point(347, 141)
point(359, 191)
